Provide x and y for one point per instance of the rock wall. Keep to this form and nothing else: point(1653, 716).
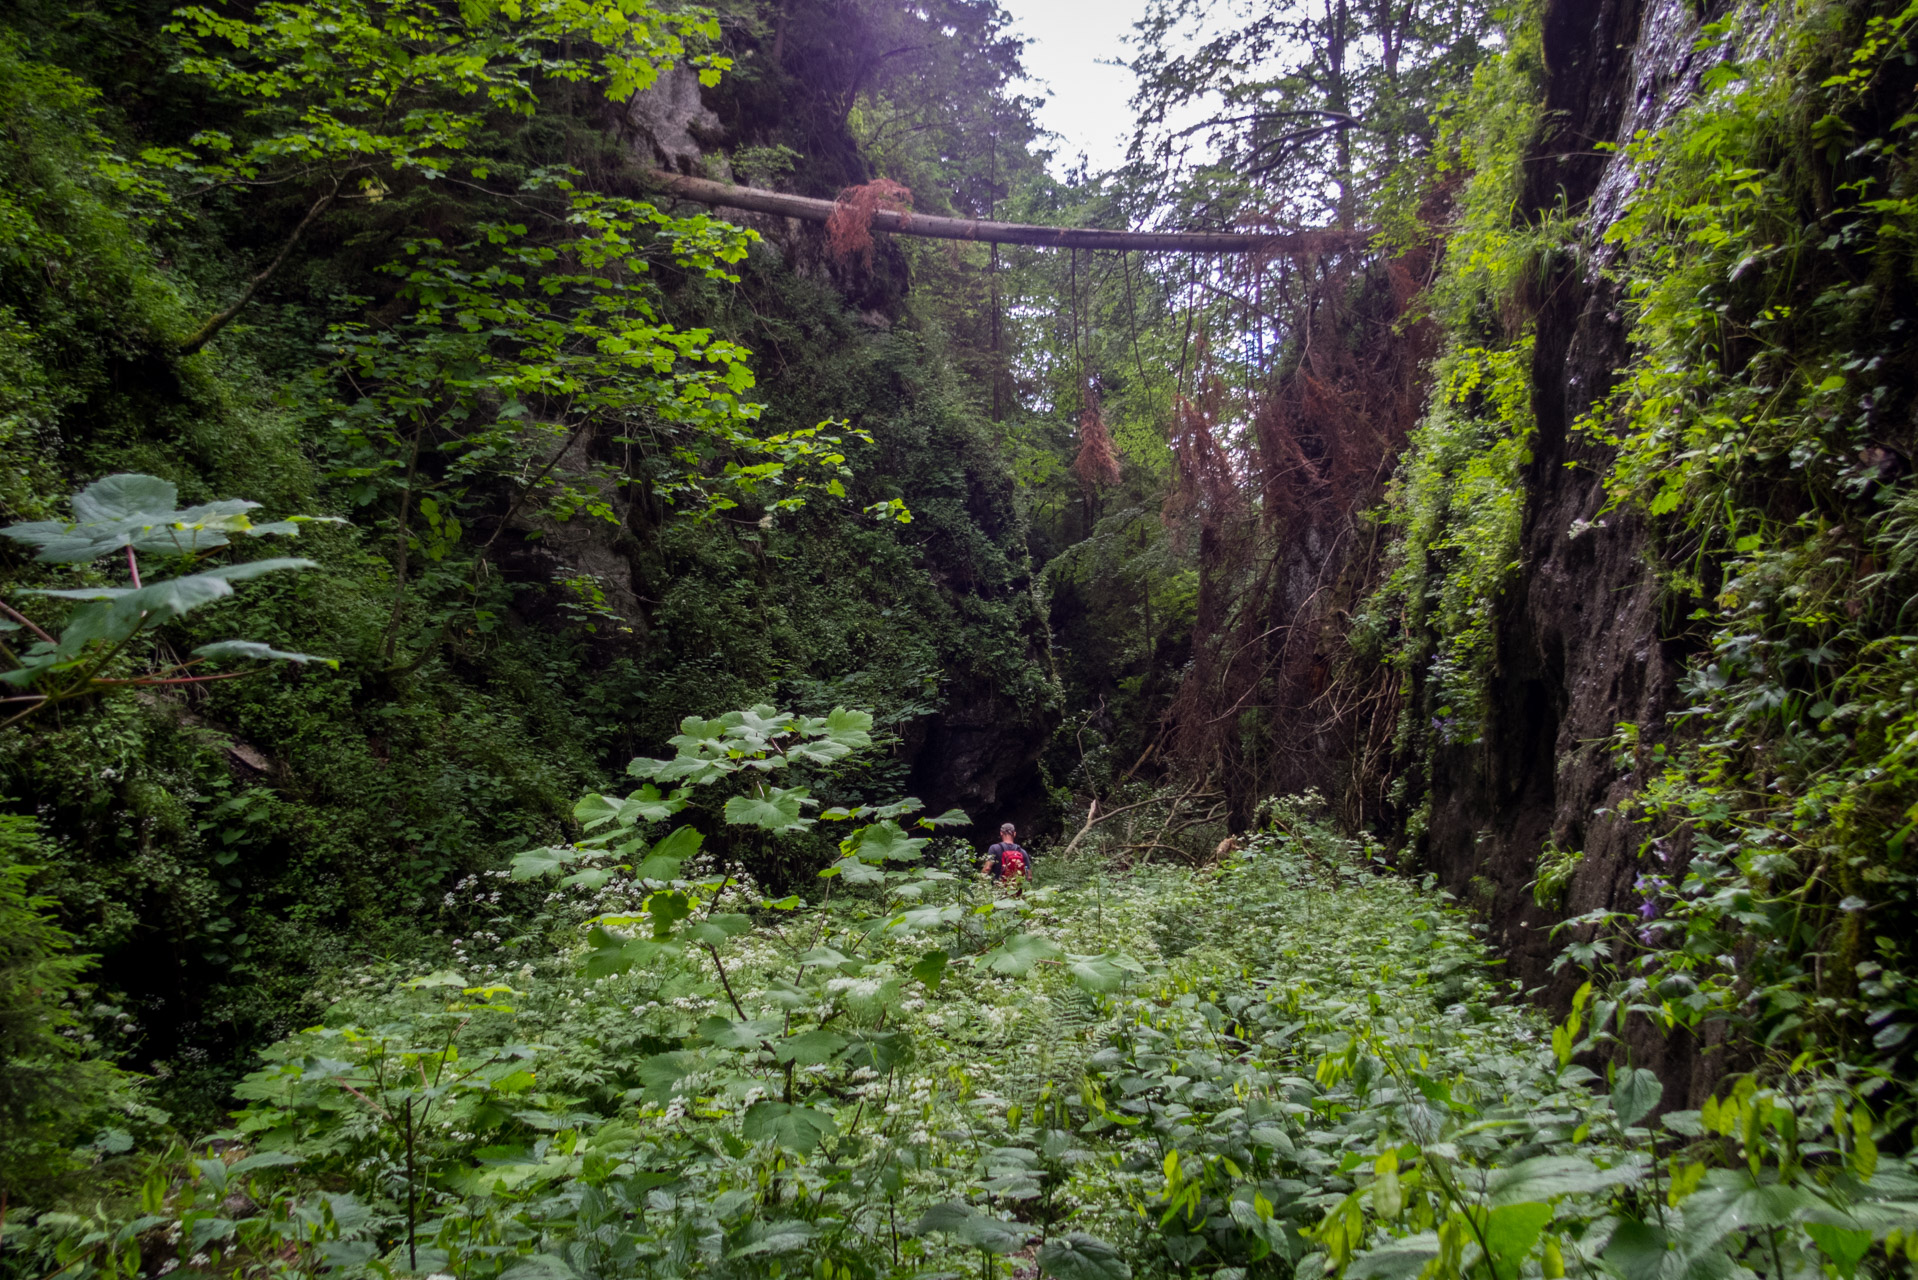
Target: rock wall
point(1581, 642)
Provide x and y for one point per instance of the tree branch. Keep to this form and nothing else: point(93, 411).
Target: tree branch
point(220, 320)
point(807, 209)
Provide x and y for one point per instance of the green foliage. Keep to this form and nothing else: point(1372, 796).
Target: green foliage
point(346, 87)
point(1456, 501)
point(339, 91)
point(1750, 428)
point(1325, 1079)
point(53, 1088)
point(225, 848)
point(129, 514)
point(1764, 249)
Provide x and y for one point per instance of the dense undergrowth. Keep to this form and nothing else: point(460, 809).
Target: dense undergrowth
point(1292, 1063)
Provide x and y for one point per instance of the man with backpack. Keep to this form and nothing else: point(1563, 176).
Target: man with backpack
point(1008, 860)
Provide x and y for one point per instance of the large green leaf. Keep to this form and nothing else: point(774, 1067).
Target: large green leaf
point(663, 861)
point(921, 918)
point(120, 611)
point(644, 767)
point(854, 871)
point(1548, 1177)
point(1104, 973)
point(250, 569)
point(1638, 1251)
point(1397, 1259)
point(693, 731)
point(796, 1128)
point(649, 804)
point(133, 511)
point(667, 908)
point(822, 751)
point(537, 1266)
point(662, 1072)
point(809, 1048)
point(261, 1160)
point(971, 1227)
point(1078, 1256)
point(887, 842)
point(605, 954)
point(609, 954)
point(849, 727)
point(880, 1050)
point(1635, 1094)
point(693, 769)
point(541, 862)
point(1510, 1232)
point(714, 930)
point(1017, 954)
point(594, 810)
point(950, 818)
point(728, 1034)
point(254, 650)
point(124, 496)
point(774, 1237)
point(1845, 1246)
point(831, 958)
point(931, 968)
point(777, 810)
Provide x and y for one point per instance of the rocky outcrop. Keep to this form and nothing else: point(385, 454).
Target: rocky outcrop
point(1582, 640)
point(671, 120)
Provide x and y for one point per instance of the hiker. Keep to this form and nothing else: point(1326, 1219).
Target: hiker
point(1008, 860)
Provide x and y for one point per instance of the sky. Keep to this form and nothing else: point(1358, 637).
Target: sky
point(1070, 40)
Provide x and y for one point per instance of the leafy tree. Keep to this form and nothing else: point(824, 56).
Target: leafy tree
point(351, 94)
point(1318, 101)
point(518, 346)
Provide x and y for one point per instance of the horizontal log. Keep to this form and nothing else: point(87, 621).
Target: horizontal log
point(807, 209)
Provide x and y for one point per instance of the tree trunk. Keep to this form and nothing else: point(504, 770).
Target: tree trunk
point(807, 209)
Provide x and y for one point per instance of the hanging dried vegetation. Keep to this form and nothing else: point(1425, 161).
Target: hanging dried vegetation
point(1274, 702)
point(1097, 462)
point(849, 229)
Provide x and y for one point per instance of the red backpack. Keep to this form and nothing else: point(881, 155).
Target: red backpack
point(1012, 862)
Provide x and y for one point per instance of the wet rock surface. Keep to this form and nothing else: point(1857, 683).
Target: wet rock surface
point(1584, 642)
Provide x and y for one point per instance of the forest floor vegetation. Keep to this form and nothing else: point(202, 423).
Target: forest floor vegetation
point(1291, 1063)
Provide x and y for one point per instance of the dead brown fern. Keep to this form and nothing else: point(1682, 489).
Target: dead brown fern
point(849, 229)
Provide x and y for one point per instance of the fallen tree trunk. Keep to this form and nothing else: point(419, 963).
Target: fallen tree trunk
point(807, 209)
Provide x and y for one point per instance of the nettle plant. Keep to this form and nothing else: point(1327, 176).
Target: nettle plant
point(677, 913)
point(749, 1115)
point(125, 516)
